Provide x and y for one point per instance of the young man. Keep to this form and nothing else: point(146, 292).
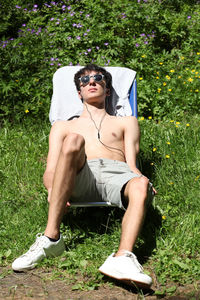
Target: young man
point(93, 158)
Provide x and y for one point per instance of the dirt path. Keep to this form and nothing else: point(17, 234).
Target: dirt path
point(38, 285)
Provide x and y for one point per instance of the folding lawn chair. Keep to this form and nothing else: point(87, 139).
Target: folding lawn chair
point(66, 104)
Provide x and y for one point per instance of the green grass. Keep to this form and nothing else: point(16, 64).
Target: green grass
point(170, 240)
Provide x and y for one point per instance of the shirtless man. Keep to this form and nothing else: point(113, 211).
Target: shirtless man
point(93, 157)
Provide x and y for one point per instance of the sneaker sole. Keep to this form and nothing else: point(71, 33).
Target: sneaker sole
point(131, 282)
point(24, 269)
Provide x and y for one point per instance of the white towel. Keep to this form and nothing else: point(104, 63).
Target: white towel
point(65, 102)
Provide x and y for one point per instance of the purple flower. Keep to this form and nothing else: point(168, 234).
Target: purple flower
point(17, 6)
point(88, 30)
point(89, 50)
point(51, 64)
point(87, 16)
point(137, 45)
point(142, 34)
point(52, 59)
point(85, 34)
point(51, 19)
point(57, 23)
point(78, 37)
point(189, 17)
point(70, 64)
point(59, 64)
point(74, 24)
point(24, 25)
point(106, 44)
point(35, 6)
point(145, 42)
point(85, 53)
point(97, 47)
point(68, 7)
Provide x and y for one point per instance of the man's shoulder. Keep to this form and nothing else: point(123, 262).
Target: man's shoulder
point(60, 126)
point(126, 119)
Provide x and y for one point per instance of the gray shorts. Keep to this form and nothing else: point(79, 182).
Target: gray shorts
point(102, 180)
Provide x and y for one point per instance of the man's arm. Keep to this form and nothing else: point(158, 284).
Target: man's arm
point(56, 137)
point(131, 142)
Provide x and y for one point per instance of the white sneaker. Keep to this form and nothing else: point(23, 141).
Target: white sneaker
point(127, 269)
point(42, 248)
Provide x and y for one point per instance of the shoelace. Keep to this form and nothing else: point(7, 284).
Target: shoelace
point(37, 245)
point(134, 259)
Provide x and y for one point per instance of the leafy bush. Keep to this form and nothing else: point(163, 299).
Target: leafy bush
point(158, 39)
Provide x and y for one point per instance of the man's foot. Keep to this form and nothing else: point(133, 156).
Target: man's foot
point(127, 269)
point(42, 248)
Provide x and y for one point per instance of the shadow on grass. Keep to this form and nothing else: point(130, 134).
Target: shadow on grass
point(89, 221)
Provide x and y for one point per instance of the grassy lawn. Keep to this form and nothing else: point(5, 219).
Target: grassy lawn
point(170, 240)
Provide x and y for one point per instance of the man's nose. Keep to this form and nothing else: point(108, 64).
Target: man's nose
point(92, 81)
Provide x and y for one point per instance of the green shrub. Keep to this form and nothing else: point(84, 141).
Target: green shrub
point(155, 38)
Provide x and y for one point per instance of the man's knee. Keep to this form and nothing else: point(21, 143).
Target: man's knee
point(73, 144)
point(138, 187)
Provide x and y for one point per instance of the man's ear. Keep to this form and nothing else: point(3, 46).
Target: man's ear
point(107, 92)
point(79, 94)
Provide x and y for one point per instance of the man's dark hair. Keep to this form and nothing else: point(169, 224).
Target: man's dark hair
point(90, 68)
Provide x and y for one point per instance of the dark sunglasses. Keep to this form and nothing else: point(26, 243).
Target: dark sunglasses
point(97, 78)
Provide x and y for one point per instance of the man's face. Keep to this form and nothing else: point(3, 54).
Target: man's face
point(93, 87)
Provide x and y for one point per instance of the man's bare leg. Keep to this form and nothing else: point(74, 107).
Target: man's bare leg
point(124, 265)
point(136, 192)
point(71, 160)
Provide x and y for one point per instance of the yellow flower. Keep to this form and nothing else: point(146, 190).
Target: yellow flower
point(150, 117)
point(171, 182)
point(187, 124)
point(161, 63)
point(141, 118)
point(168, 77)
point(198, 53)
point(198, 61)
point(157, 77)
point(184, 82)
point(190, 79)
point(143, 55)
point(159, 90)
point(157, 73)
point(193, 71)
point(154, 149)
point(141, 78)
point(151, 163)
point(164, 83)
point(167, 156)
point(177, 123)
point(171, 121)
point(196, 91)
point(179, 77)
point(172, 71)
point(168, 143)
point(196, 73)
point(197, 177)
point(17, 80)
point(163, 217)
point(26, 111)
point(169, 90)
point(182, 57)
